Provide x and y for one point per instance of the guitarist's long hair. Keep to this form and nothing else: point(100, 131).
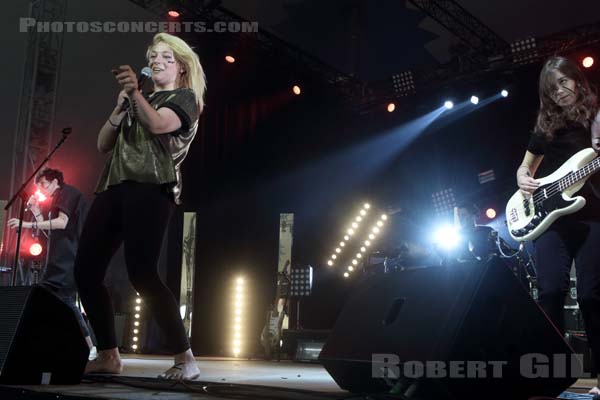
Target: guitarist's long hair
point(551, 116)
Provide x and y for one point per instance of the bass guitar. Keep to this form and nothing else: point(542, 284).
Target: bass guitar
point(529, 215)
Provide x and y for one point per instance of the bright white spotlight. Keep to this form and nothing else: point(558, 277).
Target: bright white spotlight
point(350, 231)
point(504, 93)
point(363, 212)
point(371, 236)
point(363, 249)
point(376, 230)
point(346, 274)
point(346, 237)
point(330, 263)
point(446, 237)
point(354, 262)
point(367, 243)
point(358, 255)
point(342, 244)
point(380, 223)
point(358, 219)
point(338, 250)
point(448, 104)
point(474, 99)
point(333, 256)
point(354, 225)
point(367, 206)
point(350, 268)
point(383, 217)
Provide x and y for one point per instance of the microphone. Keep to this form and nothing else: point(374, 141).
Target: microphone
point(145, 73)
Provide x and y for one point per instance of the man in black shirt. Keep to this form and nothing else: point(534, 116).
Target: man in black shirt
point(477, 241)
point(65, 216)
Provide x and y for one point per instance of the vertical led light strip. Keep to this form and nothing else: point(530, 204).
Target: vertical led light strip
point(238, 316)
point(353, 228)
point(371, 236)
point(137, 311)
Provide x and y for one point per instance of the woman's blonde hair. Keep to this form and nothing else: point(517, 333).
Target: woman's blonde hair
point(194, 77)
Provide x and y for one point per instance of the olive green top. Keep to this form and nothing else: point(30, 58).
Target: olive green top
point(144, 157)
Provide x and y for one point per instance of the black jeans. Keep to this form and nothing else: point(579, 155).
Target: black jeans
point(569, 239)
point(137, 215)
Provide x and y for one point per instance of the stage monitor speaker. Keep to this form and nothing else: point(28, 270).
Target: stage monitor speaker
point(41, 341)
point(462, 331)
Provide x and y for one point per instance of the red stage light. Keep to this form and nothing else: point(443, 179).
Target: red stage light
point(230, 59)
point(490, 213)
point(296, 90)
point(173, 13)
point(35, 249)
point(391, 107)
point(588, 62)
point(40, 196)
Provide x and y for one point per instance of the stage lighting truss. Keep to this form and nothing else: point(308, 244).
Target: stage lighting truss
point(524, 51)
point(239, 290)
point(444, 202)
point(404, 83)
point(350, 231)
point(137, 326)
point(302, 281)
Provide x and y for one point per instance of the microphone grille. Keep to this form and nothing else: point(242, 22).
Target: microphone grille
point(147, 71)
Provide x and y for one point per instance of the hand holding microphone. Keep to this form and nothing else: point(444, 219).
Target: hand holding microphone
point(130, 83)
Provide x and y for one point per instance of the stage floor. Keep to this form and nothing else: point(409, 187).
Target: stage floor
point(221, 378)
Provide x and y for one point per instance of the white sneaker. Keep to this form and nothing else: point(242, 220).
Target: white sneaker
point(93, 353)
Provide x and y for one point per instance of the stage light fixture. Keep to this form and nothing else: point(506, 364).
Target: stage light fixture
point(384, 217)
point(587, 62)
point(230, 59)
point(490, 213)
point(446, 237)
point(330, 263)
point(354, 225)
point(239, 286)
point(296, 89)
point(346, 274)
point(448, 104)
point(333, 256)
point(35, 249)
point(391, 107)
point(40, 196)
point(350, 268)
point(342, 244)
point(367, 206)
point(346, 237)
point(504, 93)
point(173, 13)
point(474, 99)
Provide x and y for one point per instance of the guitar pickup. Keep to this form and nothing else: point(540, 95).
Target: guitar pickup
point(527, 207)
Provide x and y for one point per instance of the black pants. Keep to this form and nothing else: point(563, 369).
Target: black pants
point(569, 239)
point(135, 214)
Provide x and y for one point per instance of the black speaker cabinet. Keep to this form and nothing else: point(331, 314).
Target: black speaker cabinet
point(41, 341)
point(463, 331)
